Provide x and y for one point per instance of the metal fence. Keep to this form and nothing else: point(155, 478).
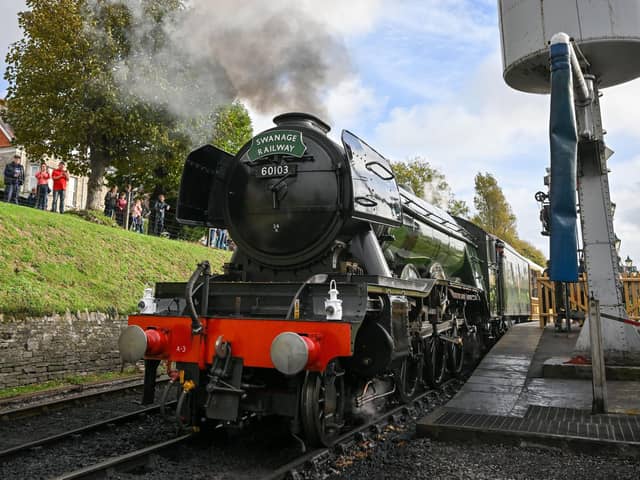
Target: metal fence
point(551, 302)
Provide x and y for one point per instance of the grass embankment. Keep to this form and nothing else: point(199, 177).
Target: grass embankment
point(129, 373)
point(50, 263)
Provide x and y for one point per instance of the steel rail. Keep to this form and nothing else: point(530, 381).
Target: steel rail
point(125, 462)
point(44, 406)
point(87, 428)
point(317, 454)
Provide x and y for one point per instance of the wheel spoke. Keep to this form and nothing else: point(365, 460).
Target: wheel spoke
point(322, 408)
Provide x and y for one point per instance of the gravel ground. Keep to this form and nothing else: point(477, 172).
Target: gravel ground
point(83, 450)
point(397, 454)
point(249, 453)
point(246, 455)
point(16, 431)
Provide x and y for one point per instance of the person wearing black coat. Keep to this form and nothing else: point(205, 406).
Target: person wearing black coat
point(160, 208)
point(110, 200)
point(13, 178)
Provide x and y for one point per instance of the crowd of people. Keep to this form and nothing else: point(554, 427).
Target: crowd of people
point(131, 209)
point(14, 178)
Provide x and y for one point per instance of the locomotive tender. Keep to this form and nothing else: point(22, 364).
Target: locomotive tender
point(344, 288)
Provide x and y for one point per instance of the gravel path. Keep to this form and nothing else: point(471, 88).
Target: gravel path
point(397, 454)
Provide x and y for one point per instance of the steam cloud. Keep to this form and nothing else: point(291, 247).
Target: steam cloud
point(273, 55)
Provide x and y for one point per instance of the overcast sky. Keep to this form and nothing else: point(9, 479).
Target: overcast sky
point(427, 80)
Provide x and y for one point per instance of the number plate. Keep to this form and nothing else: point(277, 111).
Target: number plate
point(275, 171)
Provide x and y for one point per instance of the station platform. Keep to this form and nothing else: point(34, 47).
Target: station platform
point(509, 400)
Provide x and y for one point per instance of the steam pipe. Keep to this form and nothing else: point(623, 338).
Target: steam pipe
point(203, 268)
point(559, 42)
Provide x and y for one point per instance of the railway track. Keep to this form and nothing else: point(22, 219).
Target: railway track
point(314, 459)
point(78, 431)
point(126, 462)
point(46, 422)
point(146, 457)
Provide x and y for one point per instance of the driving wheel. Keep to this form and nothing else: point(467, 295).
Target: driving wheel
point(322, 407)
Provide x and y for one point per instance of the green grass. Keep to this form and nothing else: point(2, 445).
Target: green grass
point(50, 263)
point(71, 380)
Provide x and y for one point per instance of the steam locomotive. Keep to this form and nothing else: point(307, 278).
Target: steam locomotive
point(344, 289)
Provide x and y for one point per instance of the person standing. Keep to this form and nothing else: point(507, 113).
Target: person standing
point(136, 216)
point(42, 192)
point(160, 207)
point(129, 196)
point(146, 211)
point(13, 178)
point(121, 209)
point(110, 200)
point(60, 178)
point(221, 242)
point(32, 198)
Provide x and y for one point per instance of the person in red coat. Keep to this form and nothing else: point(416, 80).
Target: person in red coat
point(60, 178)
point(42, 177)
point(121, 208)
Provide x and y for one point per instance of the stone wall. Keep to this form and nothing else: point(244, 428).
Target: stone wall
point(38, 349)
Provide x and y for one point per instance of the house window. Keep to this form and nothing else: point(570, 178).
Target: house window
point(70, 194)
point(32, 181)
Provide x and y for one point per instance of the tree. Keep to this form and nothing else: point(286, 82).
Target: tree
point(428, 183)
point(527, 250)
point(231, 130)
point(494, 215)
point(63, 99)
point(459, 208)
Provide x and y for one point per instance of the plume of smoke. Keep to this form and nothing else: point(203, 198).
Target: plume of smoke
point(438, 194)
point(273, 55)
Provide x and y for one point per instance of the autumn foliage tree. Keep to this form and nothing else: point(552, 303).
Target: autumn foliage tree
point(63, 97)
point(494, 214)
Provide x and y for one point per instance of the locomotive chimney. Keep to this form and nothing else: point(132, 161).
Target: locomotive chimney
point(301, 119)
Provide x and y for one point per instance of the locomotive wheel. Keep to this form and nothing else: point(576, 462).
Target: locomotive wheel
point(408, 378)
point(434, 368)
point(455, 353)
point(322, 408)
